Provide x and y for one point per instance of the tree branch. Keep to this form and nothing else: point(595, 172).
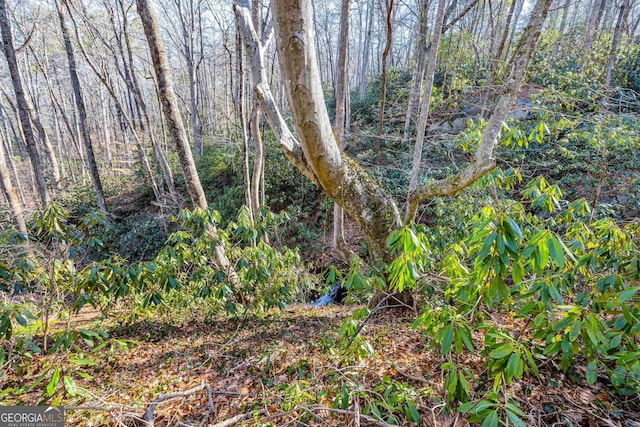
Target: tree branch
point(148, 417)
point(483, 162)
point(288, 143)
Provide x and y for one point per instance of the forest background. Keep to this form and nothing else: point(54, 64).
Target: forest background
point(179, 175)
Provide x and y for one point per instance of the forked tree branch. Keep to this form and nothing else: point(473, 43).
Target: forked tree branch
point(483, 161)
point(255, 50)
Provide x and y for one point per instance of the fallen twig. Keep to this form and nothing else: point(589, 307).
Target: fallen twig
point(148, 417)
point(234, 420)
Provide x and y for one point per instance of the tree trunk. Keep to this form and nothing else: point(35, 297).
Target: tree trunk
point(592, 25)
point(383, 73)
point(338, 242)
point(22, 105)
point(10, 193)
point(418, 70)
point(159, 154)
point(617, 34)
point(176, 127)
point(82, 113)
point(426, 100)
point(317, 155)
point(507, 29)
point(364, 65)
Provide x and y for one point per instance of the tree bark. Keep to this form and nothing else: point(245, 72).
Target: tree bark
point(22, 105)
point(10, 193)
point(338, 242)
point(617, 34)
point(383, 74)
point(426, 100)
point(418, 70)
point(339, 177)
point(82, 112)
point(592, 25)
point(176, 127)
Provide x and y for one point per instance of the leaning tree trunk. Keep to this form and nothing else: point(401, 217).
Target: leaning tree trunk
point(317, 155)
point(22, 105)
point(82, 112)
point(176, 127)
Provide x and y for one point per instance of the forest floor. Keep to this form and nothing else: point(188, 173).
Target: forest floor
point(283, 369)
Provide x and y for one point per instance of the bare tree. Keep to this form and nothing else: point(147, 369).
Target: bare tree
point(22, 104)
point(176, 127)
point(617, 34)
point(338, 241)
point(426, 100)
point(80, 106)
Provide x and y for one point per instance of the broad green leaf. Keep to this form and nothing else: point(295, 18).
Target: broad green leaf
point(556, 252)
point(501, 352)
point(517, 272)
point(514, 227)
point(627, 294)
point(21, 320)
point(344, 403)
point(515, 420)
point(592, 372)
point(53, 382)
point(491, 420)
point(447, 339)
point(70, 385)
point(412, 413)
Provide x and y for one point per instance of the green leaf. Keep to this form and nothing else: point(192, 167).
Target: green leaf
point(514, 227)
point(465, 407)
point(344, 403)
point(482, 406)
point(556, 252)
point(486, 247)
point(21, 320)
point(491, 420)
point(451, 384)
point(515, 420)
point(542, 253)
point(501, 352)
point(517, 273)
point(83, 362)
point(412, 413)
point(592, 372)
point(53, 382)
point(575, 330)
point(627, 294)
point(70, 385)
point(510, 407)
point(514, 365)
point(447, 339)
